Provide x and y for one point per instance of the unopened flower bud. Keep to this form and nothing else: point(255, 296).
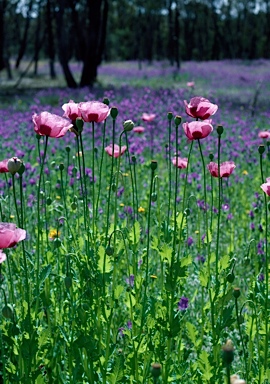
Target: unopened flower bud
point(230, 277)
point(133, 159)
point(227, 352)
point(128, 125)
point(211, 157)
point(106, 101)
point(7, 312)
point(68, 148)
point(79, 124)
point(153, 165)
point(177, 120)
point(261, 149)
point(61, 167)
point(220, 130)
point(114, 112)
point(236, 292)
point(154, 197)
point(156, 370)
point(170, 115)
point(68, 282)
point(22, 169)
point(109, 251)
point(13, 165)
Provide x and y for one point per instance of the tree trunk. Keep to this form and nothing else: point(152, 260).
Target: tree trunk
point(23, 43)
point(95, 40)
point(2, 33)
point(50, 39)
point(62, 46)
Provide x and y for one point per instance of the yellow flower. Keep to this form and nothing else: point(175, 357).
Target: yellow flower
point(125, 174)
point(122, 204)
point(153, 276)
point(245, 172)
point(11, 216)
point(53, 234)
point(197, 232)
point(58, 197)
point(141, 209)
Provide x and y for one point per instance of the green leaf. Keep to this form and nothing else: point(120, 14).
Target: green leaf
point(118, 290)
point(203, 277)
point(154, 243)
point(166, 253)
point(224, 263)
point(102, 256)
point(44, 273)
point(192, 332)
point(209, 237)
point(134, 235)
point(186, 261)
point(205, 366)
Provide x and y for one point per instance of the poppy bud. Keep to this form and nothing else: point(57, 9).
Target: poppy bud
point(13, 165)
point(154, 197)
point(156, 370)
point(220, 130)
point(230, 277)
point(227, 352)
point(79, 124)
point(22, 169)
point(61, 167)
point(211, 157)
point(106, 101)
point(68, 282)
point(48, 201)
point(7, 312)
point(68, 148)
point(177, 120)
point(109, 251)
point(128, 125)
point(170, 115)
point(114, 112)
point(153, 165)
point(236, 292)
point(261, 149)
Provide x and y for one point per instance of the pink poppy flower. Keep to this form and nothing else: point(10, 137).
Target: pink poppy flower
point(71, 110)
point(138, 129)
point(3, 166)
point(148, 117)
point(266, 186)
point(94, 111)
point(226, 168)
point(48, 124)
point(198, 129)
point(180, 162)
point(200, 108)
point(2, 256)
point(264, 135)
point(116, 152)
point(10, 235)
point(190, 84)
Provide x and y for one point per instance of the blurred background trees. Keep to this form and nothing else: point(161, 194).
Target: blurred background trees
point(89, 31)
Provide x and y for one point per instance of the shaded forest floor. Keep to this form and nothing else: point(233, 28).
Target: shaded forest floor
point(244, 82)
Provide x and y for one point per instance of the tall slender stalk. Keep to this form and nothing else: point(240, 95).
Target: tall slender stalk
point(266, 301)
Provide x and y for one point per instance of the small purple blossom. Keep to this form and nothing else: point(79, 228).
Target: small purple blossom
point(183, 303)
point(261, 277)
point(200, 259)
point(189, 241)
point(130, 280)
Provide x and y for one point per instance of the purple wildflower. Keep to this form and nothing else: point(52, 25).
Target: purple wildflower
point(183, 303)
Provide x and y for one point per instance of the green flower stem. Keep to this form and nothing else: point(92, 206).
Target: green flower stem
point(136, 188)
point(132, 183)
point(170, 170)
point(93, 184)
point(82, 183)
point(228, 374)
point(147, 250)
point(101, 166)
point(10, 279)
point(219, 208)
point(39, 230)
point(266, 301)
point(15, 201)
point(241, 337)
point(183, 203)
point(175, 194)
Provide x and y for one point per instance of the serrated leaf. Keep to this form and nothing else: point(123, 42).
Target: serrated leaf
point(203, 277)
point(43, 337)
point(166, 253)
point(101, 259)
point(154, 243)
point(224, 263)
point(205, 366)
point(44, 273)
point(130, 301)
point(209, 237)
point(134, 234)
point(181, 219)
point(192, 332)
point(118, 290)
point(186, 261)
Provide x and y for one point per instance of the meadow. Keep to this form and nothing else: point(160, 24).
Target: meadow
point(136, 261)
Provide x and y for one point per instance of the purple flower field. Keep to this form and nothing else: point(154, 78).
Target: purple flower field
point(144, 251)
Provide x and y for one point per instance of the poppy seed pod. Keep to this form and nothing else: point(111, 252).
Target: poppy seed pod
point(128, 125)
point(13, 165)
